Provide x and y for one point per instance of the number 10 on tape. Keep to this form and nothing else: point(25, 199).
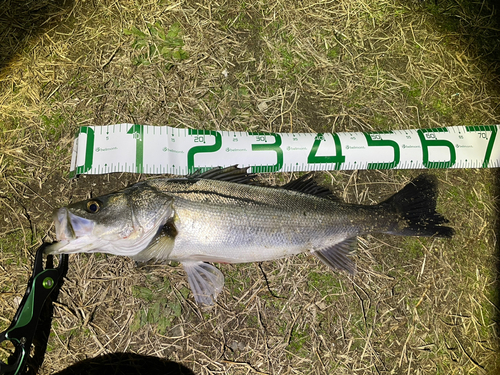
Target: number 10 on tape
point(163, 149)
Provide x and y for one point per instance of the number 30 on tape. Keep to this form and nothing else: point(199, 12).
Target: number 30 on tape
point(163, 149)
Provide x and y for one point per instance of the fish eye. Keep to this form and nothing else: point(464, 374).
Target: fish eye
point(93, 206)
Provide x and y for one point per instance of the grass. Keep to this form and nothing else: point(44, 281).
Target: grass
point(157, 43)
point(415, 306)
point(158, 312)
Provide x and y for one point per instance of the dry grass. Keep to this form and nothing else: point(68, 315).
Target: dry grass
point(417, 306)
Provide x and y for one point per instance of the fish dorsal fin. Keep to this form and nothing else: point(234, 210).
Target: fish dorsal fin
point(337, 256)
point(307, 185)
point(230, 174)
point(205, 281)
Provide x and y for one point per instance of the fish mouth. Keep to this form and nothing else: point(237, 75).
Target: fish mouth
point(69, 227)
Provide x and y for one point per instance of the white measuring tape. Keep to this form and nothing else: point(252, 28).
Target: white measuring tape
point(163, 149)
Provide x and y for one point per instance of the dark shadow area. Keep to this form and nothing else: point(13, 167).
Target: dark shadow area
point(22, 20)
point(477, 24)
point(126, 364)
point(494, 60)
point(496, 295)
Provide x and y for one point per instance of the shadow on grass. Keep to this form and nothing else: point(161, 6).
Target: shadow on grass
point(477, 24)
point(21, 21)
point(126, 364)
point(497, 233)
point(494, 59)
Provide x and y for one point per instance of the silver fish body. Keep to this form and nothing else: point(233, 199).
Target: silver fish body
point(221, 216)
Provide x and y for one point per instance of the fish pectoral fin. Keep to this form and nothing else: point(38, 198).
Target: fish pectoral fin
point(161, 244)
point(337, 256)
point(205, 280)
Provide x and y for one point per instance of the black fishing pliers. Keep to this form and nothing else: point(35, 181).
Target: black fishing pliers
point(23, 328)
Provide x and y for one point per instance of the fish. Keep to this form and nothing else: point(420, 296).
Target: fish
point(224, 215)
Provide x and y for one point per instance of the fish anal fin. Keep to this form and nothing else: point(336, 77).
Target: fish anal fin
point(337, 256)
point(205, 281)
point(307, 185)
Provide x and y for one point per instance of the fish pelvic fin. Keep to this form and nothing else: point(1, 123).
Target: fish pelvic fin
point(415, 206)
point(337, 256)
point(205, 281)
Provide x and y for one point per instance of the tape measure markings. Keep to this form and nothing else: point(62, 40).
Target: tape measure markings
point(162, 149)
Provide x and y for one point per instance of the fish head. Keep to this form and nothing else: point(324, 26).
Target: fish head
point(121, 223)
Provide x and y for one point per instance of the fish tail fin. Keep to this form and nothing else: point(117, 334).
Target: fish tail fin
point(415, 205)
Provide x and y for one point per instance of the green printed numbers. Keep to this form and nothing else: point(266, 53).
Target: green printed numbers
point(89, 150)
point(276, 147)
point(428, 139)
point(375, 139)
point(482, 134)
point(137, 133)
point(338, 158)
point(199, 137)
point(106, 149)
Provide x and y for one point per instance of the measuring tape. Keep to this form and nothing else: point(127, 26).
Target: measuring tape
point(163, 149)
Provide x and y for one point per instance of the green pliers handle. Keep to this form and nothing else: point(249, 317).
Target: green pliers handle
point(22, 330)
